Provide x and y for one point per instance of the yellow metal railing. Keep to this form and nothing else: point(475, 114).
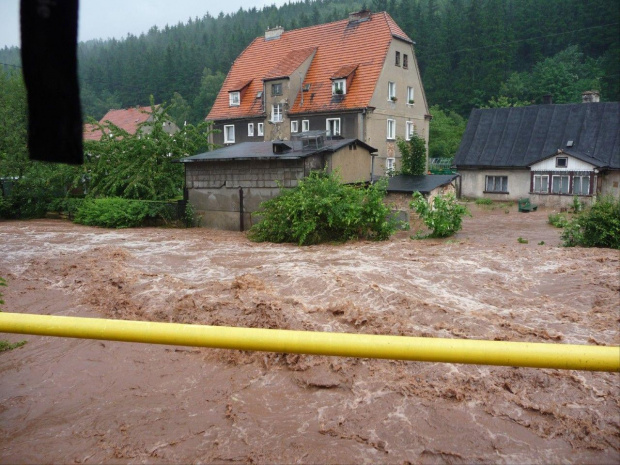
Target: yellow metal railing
point(518, 354)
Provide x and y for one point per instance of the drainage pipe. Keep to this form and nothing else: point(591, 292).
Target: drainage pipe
point(518, 354)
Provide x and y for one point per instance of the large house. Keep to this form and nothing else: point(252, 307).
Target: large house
point(357, 79)
point(129, 120)
point(549, 153)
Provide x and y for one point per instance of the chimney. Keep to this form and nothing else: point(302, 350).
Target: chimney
point(359, 16)
point(590, 96)
point(547, 99)
point(274, 34)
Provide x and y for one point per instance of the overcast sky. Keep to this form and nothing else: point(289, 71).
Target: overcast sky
point(102, 19)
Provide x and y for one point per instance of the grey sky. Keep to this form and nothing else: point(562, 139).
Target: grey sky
point(116, 18)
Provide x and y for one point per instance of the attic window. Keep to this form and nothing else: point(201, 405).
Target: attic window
point(234, 99)
point(405, 62)
point(561, 162)
point(570, 143)
point(397, 61)
point(306, 87)
point(276, 89)
point(339, 86)
point(259, 94)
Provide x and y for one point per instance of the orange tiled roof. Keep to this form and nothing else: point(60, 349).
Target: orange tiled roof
point(362, 45)
point(91, 132)
point(128, 119)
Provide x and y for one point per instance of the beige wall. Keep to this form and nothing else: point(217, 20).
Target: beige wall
point(400, 111)
point(353, 165)
point(610, 183)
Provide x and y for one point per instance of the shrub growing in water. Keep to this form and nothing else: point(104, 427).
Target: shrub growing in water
point(444, 217)
point(322, 209)
point(598, 226)
point(115, 212)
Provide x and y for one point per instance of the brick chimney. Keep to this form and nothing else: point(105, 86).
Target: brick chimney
point(273, 34)
point(359, 16)
point(590, 96)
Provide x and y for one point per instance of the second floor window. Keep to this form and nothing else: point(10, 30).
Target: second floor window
point(229, 134)
point(234, 99)
point(276, 113)
point(305, 125)
point(276, 89)
point(391, 129)
point(259, 129)
point(294, 126)
point(250, 129)
point(410, 95)
point(391, 90)
point(409, 130)
point(333, 126)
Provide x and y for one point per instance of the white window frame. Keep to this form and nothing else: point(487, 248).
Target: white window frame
point(305, 125)
point(410, 95)
point(294, 126)
point(339, 84)
point(234, 99)
point(391, 90)
point(260, 129)
point(390, 164)
point(276, 113)
point(581, 178)
point(337, 127)
point(391, 129)
point(503, 184)
point(250, 129)
point(540, 183)
point(409, 130)
point(227, 139)
point(554, 177)
point(564, 160)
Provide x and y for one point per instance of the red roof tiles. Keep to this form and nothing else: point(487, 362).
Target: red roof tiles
point(362, 45)
point(128, 120)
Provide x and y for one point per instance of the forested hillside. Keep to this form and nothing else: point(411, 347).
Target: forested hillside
point(471, 52)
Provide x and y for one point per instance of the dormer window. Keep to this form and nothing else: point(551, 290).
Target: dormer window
point(561, 162)
point(276, 89)
point(339, 87)
point(234, 99)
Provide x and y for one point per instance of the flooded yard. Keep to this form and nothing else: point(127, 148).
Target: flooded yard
point(83, 401)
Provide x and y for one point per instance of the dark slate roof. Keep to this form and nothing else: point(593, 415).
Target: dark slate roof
point(519, 137)
point(423, 184)
point(264, 151)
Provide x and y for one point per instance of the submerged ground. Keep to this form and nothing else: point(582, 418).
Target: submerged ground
point(81, 401)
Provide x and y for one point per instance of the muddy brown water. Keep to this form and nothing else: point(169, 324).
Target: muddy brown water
point(82, 401)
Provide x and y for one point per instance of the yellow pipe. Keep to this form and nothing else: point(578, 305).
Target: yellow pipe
point(521, 354)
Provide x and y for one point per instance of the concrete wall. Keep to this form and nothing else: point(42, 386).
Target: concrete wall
point(213, 188)
point(610, 183)
point(352, 162)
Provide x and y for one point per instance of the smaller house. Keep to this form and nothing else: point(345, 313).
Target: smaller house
point(129, 120)
point(227, 185)
point(548, 153)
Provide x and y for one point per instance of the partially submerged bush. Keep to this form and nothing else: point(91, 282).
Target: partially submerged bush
point(322, 209)
point(444, 217)
point(484, 201)
point(118, 213)
point(558, 220)
point(598, 226)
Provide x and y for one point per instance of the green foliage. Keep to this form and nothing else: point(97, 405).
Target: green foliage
point(598, 226)
point(484, 201)
point(577, 206)
point(444, 217)
point(2, 284)
point(6, 345)
point(520, 240)
point(446, 131)
point(322, 209)
point(541, 243)
point(558, 220)
point(118, 213)
point(413, 154)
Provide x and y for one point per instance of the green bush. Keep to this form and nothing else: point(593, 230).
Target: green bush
point(444, 217)
point(558, 220)
point(115, 212)
point(484, 201)
point(322, 209)
point(598, 226)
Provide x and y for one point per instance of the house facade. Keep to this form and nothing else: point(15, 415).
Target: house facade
point(548, 153)
point(227, 185)
point(356, 78)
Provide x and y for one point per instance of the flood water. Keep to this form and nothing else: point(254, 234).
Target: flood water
point(82, 401)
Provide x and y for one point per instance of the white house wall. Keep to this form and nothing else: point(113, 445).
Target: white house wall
point(474, 183)
point(573, 165)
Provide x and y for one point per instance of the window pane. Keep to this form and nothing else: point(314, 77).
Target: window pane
point(564, 184)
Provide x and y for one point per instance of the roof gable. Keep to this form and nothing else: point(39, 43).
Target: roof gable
point(128, 119)
point(337, 46)
point(519, 137)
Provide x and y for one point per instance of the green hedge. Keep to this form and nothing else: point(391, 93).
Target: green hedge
point(598, 226)
point(115, 212)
